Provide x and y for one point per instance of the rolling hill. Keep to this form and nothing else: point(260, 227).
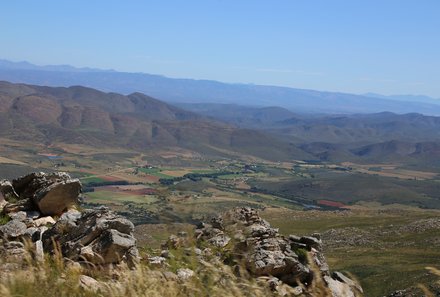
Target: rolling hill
point(88, 116)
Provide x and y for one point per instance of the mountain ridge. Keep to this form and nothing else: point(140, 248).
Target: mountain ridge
point(87, 116)
point(208, 91)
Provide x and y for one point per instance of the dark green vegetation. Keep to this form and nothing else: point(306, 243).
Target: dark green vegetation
point(352, 187)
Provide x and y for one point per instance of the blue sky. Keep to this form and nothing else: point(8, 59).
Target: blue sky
point(382, 46)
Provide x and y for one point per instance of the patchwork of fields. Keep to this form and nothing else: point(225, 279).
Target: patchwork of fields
point(378, 221)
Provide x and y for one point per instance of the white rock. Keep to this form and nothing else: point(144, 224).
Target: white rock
point(184, 274)
point(44, 221)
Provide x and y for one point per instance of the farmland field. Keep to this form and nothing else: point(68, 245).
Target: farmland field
point(380, 209)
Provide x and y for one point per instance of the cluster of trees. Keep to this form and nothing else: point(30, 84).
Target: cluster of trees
point(195, 177)
point(90, 187)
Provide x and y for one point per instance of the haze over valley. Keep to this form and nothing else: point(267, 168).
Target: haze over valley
point(240, 148)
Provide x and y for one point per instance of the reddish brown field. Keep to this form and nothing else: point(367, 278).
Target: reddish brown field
point(127, 190)
point(152, 178)
point(331, 203)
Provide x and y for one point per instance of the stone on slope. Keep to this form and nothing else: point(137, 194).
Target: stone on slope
point(266, 254)
point(184, 274)
point(90, 284)
point(337, 288)
point(12, 251)
point(7, 191)
point(264, 251)
point(52, 193)
point(44, 221)
point(342, 278)
point(13, 230)
point(97, 235)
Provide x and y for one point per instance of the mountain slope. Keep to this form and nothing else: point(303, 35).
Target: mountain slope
point(87, 116)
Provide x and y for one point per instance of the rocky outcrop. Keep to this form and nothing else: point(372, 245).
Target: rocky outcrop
point(250, 241)
point(97, 236)
point(93, 236)
point(7, 191)
point(50, 193)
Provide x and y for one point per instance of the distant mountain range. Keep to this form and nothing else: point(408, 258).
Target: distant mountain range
point(205, 91)
point(80, 115)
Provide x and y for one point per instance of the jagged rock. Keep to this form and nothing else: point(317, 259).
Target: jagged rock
point(7, 191)
point(175, 242)
point(13, 251)
point(13, 245)
point(89, 283)
point(271, 256)
point(219, 240)
point(3, 202)
point(266, 253)
point(320, 261)
point(165, 254)
point(21, 205)
point(39, 251)
point(157, 261)
point(311, 242)
point(32, 233)
point(33, 214)
point(214, 236)
point(111, 246)
point(337, 288)
point(19, 216)
point(342, 278)
point(52, 193)
point(98, 236)
point(184, 274)
point(44, 221)
point(217, 222)
point(71, 216)
point(13, 229)
point(280, 288)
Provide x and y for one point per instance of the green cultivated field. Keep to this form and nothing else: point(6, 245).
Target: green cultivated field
point(389, 254)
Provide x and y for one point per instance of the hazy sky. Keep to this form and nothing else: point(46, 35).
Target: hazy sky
point(383, 46)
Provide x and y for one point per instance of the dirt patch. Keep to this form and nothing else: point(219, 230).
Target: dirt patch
point(175, 173)
point(10, 161)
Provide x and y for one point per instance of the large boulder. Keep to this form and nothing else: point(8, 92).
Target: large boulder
point(52, 193)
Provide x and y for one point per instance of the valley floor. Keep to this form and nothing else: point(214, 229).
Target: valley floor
point(379, 222)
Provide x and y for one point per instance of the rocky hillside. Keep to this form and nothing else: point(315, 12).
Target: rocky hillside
point(41, 223)
point(80, 115)
point(41, 209)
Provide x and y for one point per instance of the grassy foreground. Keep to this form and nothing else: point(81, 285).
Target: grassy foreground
point(56, 277)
